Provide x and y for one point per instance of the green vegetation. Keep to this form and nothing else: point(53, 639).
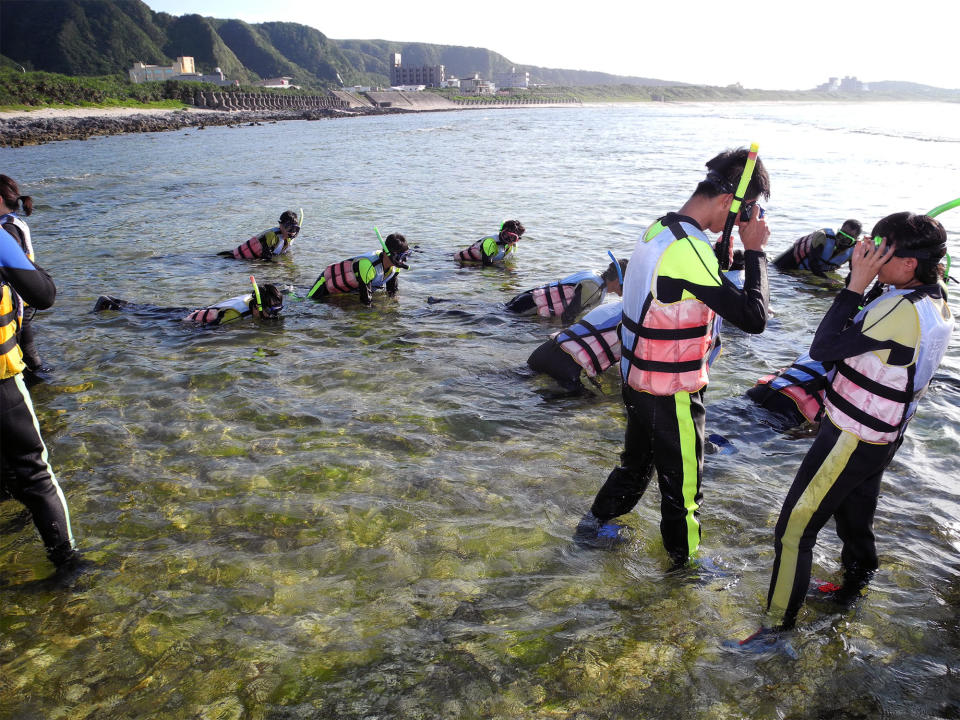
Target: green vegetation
point(32, 89)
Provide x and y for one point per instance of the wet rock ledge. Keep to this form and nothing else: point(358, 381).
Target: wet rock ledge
point(20, 131)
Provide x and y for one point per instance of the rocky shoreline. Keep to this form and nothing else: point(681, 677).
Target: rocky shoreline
point(25, 130)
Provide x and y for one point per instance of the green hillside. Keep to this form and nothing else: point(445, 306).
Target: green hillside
point(103, 37)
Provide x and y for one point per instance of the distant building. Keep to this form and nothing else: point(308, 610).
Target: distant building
point(183, 69)
point(277, 82)
point(847, 84)
point(428, 75)
point(451, 82)
point(513, 79)
point(477, 86)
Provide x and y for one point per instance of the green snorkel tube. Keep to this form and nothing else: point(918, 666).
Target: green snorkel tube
point(933, 213)
point(380, 238)
point(723, 247)
point(256, 295)
point(616, 264)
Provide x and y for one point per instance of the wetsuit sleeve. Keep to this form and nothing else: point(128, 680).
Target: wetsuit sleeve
point(17, 235)
point(891, 325)
point(392, 284)
point(31, 282)
point(695, 270)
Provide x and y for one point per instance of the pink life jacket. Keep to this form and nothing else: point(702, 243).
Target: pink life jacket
point(553, 299)
point(808, 404)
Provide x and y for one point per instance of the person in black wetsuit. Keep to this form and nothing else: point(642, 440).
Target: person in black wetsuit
point(25, 471)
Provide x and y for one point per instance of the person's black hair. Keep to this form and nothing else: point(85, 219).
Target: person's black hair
point(611, 272)
point(10, 192)
point(852, 227)
point(514, 226)
point(396, 244)
point(289, 217)
point(270, 296)
point(723, 176)
point(918, 236)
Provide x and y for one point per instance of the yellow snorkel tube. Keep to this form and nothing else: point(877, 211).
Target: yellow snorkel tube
point(256, 295)
point(723, 247)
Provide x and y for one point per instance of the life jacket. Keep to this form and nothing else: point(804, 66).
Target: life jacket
point(874, 400)
point(594, 341)
point(11, 317)
point(830, 253)
point(27, 244)
point(214, 315)
point(803, 382)
point(554, 298)
point(666, 346)
point(474, 253)
point(269, 242)
point(346, 276)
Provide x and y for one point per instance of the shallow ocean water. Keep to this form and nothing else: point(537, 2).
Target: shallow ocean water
point(367, 512)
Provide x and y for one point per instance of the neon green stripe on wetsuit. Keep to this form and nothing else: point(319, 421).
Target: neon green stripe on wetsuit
point(691, 465)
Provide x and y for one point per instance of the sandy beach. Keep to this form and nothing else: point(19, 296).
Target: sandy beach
point(84, 112)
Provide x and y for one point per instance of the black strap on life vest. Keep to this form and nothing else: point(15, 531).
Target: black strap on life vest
point(848, 408)
point(563, 299)
point(872, 386)
point(8, 345)
point(580, 340)
point(664, 333)
point(336, 276)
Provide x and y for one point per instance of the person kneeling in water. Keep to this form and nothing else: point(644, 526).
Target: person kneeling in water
point(275, 241)
point(264, 304)
point(365, 273)
point(590, 345)
point(493, 248)
point(570, 296)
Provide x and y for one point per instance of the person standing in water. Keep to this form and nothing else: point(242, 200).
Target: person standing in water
point(25, 471)
point(673, 292)
point(885, 353)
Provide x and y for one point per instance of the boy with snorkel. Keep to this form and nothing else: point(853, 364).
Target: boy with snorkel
point(674, 293)
point(365, 273)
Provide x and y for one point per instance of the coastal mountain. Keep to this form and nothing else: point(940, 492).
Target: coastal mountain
point(102, 37)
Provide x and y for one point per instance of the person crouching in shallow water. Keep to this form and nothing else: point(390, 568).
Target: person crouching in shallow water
point(25, 471)
point(821, 251)
point(365, 273)
point(673, 293)
point(275, 241)
point(590, 345)
point(570, 296)
point(269, 307)
point(494, 248)
point(885, 355)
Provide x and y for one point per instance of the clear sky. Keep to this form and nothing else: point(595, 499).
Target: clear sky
point(796, 45)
